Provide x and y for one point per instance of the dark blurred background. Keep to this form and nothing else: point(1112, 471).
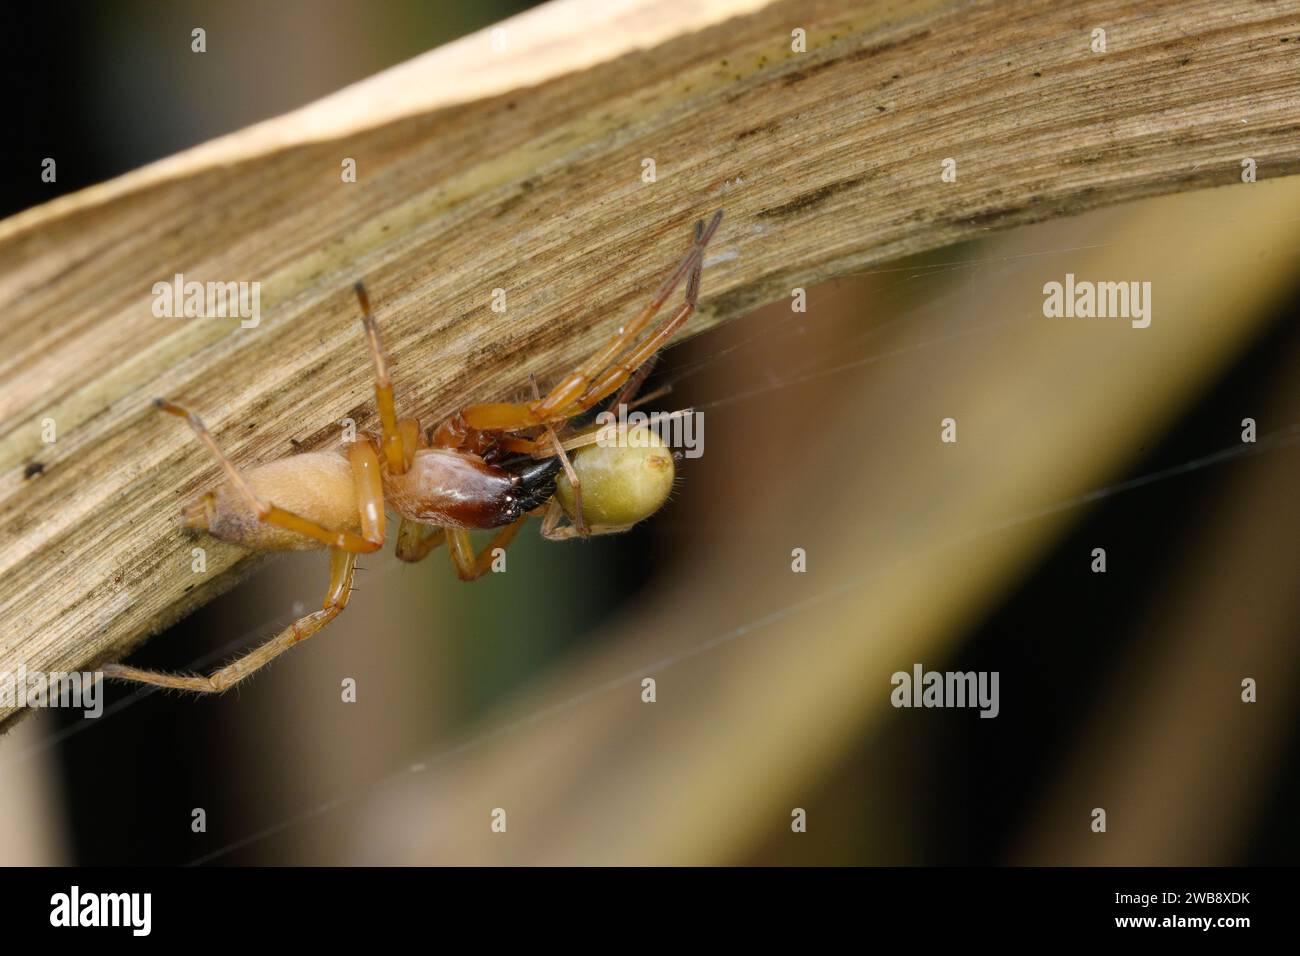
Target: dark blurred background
point(108, 87)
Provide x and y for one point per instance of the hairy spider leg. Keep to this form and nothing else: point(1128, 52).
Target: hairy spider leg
point(342, 564)
point(581, 389)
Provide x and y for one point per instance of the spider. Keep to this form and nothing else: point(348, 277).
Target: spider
point(489, 466)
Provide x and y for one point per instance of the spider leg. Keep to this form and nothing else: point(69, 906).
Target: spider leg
point(633, 386)
point(395, 447)
point(542, 447)
point(623, 369)
point(525, 446)
point(578, 384)
point(415, 540)
point(469, 566)
point(342, 564)
point(551, 519)
point(409, 430)
point(579, 521)
point(553, 530)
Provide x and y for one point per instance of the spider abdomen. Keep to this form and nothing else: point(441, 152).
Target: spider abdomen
point(317, 485)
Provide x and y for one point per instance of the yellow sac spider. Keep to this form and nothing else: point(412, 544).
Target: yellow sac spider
point(488, 466)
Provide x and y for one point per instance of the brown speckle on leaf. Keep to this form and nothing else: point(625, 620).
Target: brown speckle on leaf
point(810, 199)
